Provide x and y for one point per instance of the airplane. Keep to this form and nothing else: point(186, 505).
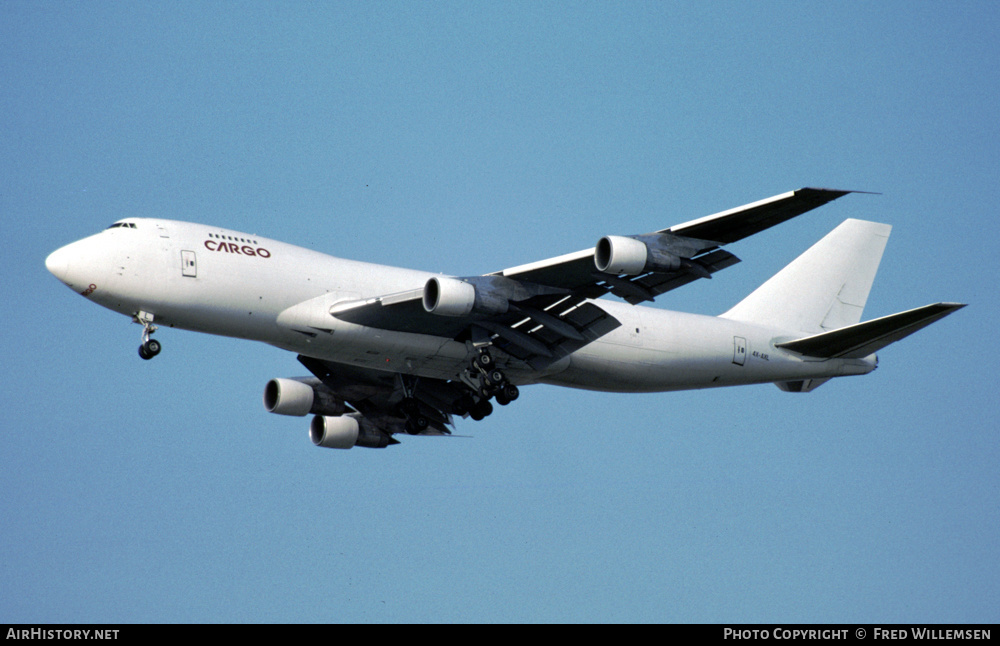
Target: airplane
point(397, 351)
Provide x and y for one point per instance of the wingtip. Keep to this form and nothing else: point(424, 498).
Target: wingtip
point(839, 191)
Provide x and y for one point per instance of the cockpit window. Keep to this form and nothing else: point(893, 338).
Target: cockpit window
point(126, 225)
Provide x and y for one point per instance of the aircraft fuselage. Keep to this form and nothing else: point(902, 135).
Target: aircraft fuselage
point(217, 281)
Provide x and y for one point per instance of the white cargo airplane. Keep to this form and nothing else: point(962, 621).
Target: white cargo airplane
point(395, 350)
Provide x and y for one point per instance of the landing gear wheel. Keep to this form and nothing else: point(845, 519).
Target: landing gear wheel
point(481, 410)
point(416, 422)
point(417, 425)
point(150, 349)
point(462, 407)
point(483, 360)
point(510, 392)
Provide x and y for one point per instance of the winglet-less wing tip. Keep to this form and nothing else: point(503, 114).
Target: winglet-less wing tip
point(744, 221)
point(840, 192)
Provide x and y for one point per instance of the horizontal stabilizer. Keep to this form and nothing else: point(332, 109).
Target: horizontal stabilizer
point(862, 339)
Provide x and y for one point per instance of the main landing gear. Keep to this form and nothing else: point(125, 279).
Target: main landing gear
point(485, 381)
point(416, 422)
point(150, 347)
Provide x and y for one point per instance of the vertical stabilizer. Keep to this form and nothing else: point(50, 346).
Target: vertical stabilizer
point(823, 289)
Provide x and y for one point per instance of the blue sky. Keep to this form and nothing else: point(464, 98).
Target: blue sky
point(464, 138)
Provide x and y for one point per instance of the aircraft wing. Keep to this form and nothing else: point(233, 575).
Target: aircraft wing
point(538, 330)
point(744, 221)
point(541, 311)
point(694, 243)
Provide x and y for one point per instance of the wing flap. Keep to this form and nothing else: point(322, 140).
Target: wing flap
point(588, 322)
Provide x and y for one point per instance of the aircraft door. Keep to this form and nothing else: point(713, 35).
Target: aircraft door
point(739, 350)
point(189, 264)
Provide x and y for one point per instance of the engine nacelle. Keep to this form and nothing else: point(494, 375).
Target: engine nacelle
point(622, 255)
point(346, 432)
point(453, 297)
point(301, 397)
point(334, 432)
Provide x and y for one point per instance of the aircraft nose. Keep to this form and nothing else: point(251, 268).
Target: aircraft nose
point(58, 263)
point(76, 264)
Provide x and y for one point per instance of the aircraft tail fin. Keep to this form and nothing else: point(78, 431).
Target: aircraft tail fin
point(860, 340)
point(825, 288)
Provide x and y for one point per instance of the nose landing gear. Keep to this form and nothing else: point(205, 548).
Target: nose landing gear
point(150, 347)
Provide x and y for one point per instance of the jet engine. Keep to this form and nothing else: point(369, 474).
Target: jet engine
point(623, 255)
point(301, 397)
point(346, 432)
point(454, 297)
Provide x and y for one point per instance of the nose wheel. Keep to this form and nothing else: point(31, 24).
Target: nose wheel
point(150, 347)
